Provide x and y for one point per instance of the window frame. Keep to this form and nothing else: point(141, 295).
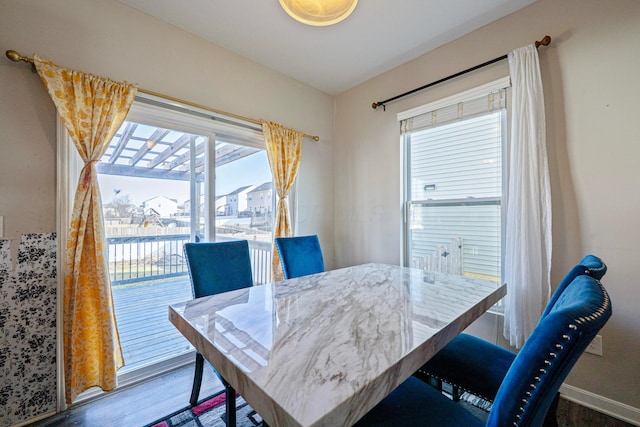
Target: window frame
point(405, 161)
point(162, 112)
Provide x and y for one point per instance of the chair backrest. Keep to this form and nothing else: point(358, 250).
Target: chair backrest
point(531, 384)
point(590, 265)
point(300, 256)
point(217, 267)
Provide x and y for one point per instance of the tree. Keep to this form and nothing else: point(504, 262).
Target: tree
point(120, 207)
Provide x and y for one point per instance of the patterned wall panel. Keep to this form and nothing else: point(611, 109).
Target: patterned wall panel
point(28, 329)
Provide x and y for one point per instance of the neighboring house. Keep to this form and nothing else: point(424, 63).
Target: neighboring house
point(186, 209)
point(162, 205)
point(222, 205)
point(237, 199)
point(260, 199)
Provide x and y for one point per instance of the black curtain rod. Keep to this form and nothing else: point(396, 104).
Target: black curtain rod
point(544, 42)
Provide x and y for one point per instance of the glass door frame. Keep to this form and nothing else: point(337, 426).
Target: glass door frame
point(160, 112)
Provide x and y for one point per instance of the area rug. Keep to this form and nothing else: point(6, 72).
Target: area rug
point(210, 413)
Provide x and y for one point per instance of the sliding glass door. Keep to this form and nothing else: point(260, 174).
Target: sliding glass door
point(152, 179)
point(170, 177)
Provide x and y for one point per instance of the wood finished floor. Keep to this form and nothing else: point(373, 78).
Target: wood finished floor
point(137, 405)
point(573, 415)
point(144, 403)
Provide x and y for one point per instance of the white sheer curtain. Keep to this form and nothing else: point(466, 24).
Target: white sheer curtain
point(527, 265)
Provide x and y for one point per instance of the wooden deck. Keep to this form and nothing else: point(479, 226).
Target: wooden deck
point(146, 335)
point(141, 307)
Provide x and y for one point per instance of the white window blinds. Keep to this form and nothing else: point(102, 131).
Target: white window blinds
point(482, 99)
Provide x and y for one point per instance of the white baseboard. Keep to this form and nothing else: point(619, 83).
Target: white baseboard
point(34, 419)
point(601, 404)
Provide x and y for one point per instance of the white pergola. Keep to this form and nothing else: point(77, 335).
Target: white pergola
point(145, 151)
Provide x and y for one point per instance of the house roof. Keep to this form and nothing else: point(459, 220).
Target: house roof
point(160, 197)
point(262, 187)
point(239, 190)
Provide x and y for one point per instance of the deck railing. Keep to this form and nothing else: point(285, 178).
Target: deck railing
point(139, 258)
point(142, 258)
point(260, 261)
point(141, 262)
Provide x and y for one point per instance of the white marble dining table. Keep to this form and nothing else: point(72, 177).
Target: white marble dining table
point(322, 350)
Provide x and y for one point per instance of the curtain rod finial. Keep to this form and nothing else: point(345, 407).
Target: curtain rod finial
point(374, 105)
point(544, 42)
point(16, 57)
point(13, 55)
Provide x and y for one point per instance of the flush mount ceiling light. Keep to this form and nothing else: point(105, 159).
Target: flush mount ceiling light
point(319, 12)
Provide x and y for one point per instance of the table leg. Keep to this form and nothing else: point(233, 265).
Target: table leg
point(230, 404)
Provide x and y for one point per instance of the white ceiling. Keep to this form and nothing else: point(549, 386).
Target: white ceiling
point(378, 36)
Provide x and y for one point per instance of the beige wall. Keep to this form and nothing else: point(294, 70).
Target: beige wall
point(107, 38)
point(590, 76)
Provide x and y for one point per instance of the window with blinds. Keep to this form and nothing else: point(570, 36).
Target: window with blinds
point(454, 184)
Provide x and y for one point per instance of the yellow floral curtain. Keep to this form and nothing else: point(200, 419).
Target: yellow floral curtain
point(92, 108)
point(283, 151)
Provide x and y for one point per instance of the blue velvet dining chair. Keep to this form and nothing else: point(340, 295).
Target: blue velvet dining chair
point(532, 381)
point(300, 256)
point(476, 366)
point(216, 267)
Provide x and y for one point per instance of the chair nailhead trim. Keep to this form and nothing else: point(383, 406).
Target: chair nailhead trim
point(560, 347)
